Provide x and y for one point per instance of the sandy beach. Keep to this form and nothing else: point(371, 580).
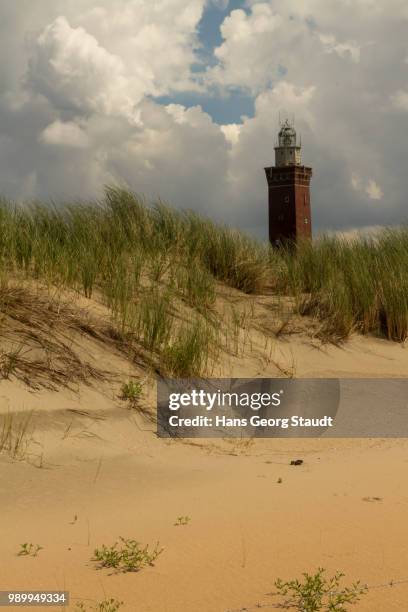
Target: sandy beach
point(94, 470)
point(204, 199)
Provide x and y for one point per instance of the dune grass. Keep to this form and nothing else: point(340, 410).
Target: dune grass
point(353, 286)
point(89, 245)
point(141, 260)
point(157, 270)
point(15, 435)
point(35, 348)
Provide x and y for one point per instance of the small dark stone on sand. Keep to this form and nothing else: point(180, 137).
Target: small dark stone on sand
point(296, 462)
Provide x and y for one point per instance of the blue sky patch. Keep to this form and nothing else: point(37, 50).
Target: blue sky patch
point(222, 109)
point(225, 108)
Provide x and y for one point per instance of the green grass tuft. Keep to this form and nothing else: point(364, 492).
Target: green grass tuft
point(126, 555)
point(316, 592)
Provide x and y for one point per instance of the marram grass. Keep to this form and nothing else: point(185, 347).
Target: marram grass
point(157, 270)
point(143, 260)
point(353, 286)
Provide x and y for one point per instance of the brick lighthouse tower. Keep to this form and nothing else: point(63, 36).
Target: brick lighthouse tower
point(289, 190)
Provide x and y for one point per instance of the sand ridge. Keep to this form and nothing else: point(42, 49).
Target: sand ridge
point(94, 470)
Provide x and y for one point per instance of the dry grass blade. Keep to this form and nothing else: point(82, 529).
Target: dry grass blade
point(35, 337)
point(15, 435)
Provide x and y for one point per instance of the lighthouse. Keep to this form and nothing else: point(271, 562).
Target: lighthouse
point(290, 217)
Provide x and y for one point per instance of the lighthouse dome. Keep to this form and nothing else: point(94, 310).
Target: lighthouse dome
point(287, 135)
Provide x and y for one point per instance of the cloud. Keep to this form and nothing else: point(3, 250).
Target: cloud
point(355, 234)
point(67, 134)
point(400, 99)
point(157, 40)
point(243, 58)
point(72, 70)
point(345, 49)
point(178, 112)
point(80, 104)
point(289, 99)
point(272, 35)
point(370, 187)
point(231, 132)
point(373, 190)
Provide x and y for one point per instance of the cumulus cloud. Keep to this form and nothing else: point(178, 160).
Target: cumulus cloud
point(231, 132)
point(256, 44)
point(289, 99)
point(72, 120)
point(72, 70)
point(156, 40)
point(67, 134)
point(331, 66)
point(80, 103)
point(244, 57)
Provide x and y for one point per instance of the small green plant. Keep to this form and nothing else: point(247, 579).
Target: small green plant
point(107, 605)
point(29, 550)
point(126, 555)
point(318, 593)
point(182, 520)
point(131, 391)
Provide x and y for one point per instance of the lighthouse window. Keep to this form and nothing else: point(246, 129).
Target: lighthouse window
point(306, 220)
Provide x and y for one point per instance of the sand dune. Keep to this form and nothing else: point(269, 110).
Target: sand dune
point(94, 470)
point(246, 528)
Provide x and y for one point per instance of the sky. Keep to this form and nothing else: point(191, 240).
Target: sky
point(180, 100)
